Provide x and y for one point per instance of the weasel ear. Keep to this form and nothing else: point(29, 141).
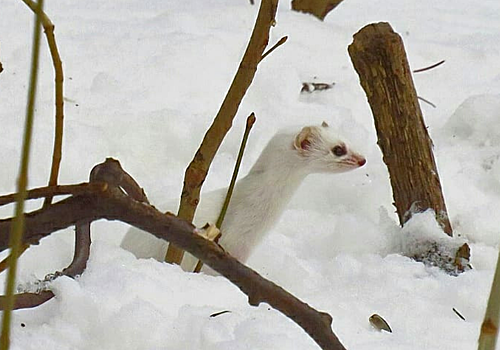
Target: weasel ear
point(324, 124)
point(303, 139)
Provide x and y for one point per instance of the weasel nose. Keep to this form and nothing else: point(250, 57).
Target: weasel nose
point(361, 161)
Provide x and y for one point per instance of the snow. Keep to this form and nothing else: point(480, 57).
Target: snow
point(143, 81)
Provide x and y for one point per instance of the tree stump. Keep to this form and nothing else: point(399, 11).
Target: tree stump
point(318, 8)
point(379, 57)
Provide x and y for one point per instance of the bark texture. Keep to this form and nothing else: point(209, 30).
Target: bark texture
point(318, 8)
point(379, 57)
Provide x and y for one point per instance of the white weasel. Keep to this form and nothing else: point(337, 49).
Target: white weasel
point(260, 197)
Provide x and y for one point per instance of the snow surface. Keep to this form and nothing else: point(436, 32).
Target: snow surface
point(143, 81)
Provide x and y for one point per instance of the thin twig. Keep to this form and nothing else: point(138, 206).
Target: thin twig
point(197, 170)
point(222, 215)
point(275, 46)
point(49, 27)
point(429, 68)
point(53, 191)
point(18, 226)
point(426, 101)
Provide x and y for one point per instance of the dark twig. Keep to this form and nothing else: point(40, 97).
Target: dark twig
point(426, 101)
point(56, 191)
point(197, 170)
point(113, 204)
point(458, 314)
point(82, 250)
point(222, 215)
point(275, 46)
point(429, 68)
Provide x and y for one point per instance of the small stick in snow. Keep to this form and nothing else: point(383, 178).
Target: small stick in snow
point(426, 101)
point(429, 68)
point(220, 313)
point(458, 314)
point(311, 87)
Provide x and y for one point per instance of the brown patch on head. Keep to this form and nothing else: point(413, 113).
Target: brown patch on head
point(303, 140)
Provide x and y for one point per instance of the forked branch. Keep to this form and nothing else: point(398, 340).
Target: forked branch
point(114, 204)
point(197, 170)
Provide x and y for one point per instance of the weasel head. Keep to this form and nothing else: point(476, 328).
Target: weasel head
point(321, 150)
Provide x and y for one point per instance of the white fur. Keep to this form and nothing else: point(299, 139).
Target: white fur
point(260, 197)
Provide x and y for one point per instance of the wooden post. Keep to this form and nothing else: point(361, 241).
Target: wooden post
point(379, 57)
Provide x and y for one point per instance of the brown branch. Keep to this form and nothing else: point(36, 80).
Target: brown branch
point(379, 57)
point(56, 191)
point(82, 250)
point(28, 300)
point(49, 27)
point(113, 204)
point(77, 267)
point(197, 170)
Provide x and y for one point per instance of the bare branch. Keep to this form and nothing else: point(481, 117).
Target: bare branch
point(197, 170)
point(56, 191)
point(49, 27)
point(77, 267)
point(82, 250)
point(113, 204)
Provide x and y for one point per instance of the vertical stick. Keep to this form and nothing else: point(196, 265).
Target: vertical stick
point(234, 177)
point(49, 27)
point(18, 225)
point(197, 170)
point(379, 57)
point(489, 327)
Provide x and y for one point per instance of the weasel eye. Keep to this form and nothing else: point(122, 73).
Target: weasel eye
point(339, 151)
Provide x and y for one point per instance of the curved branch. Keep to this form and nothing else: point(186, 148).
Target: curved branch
point(113, 204)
